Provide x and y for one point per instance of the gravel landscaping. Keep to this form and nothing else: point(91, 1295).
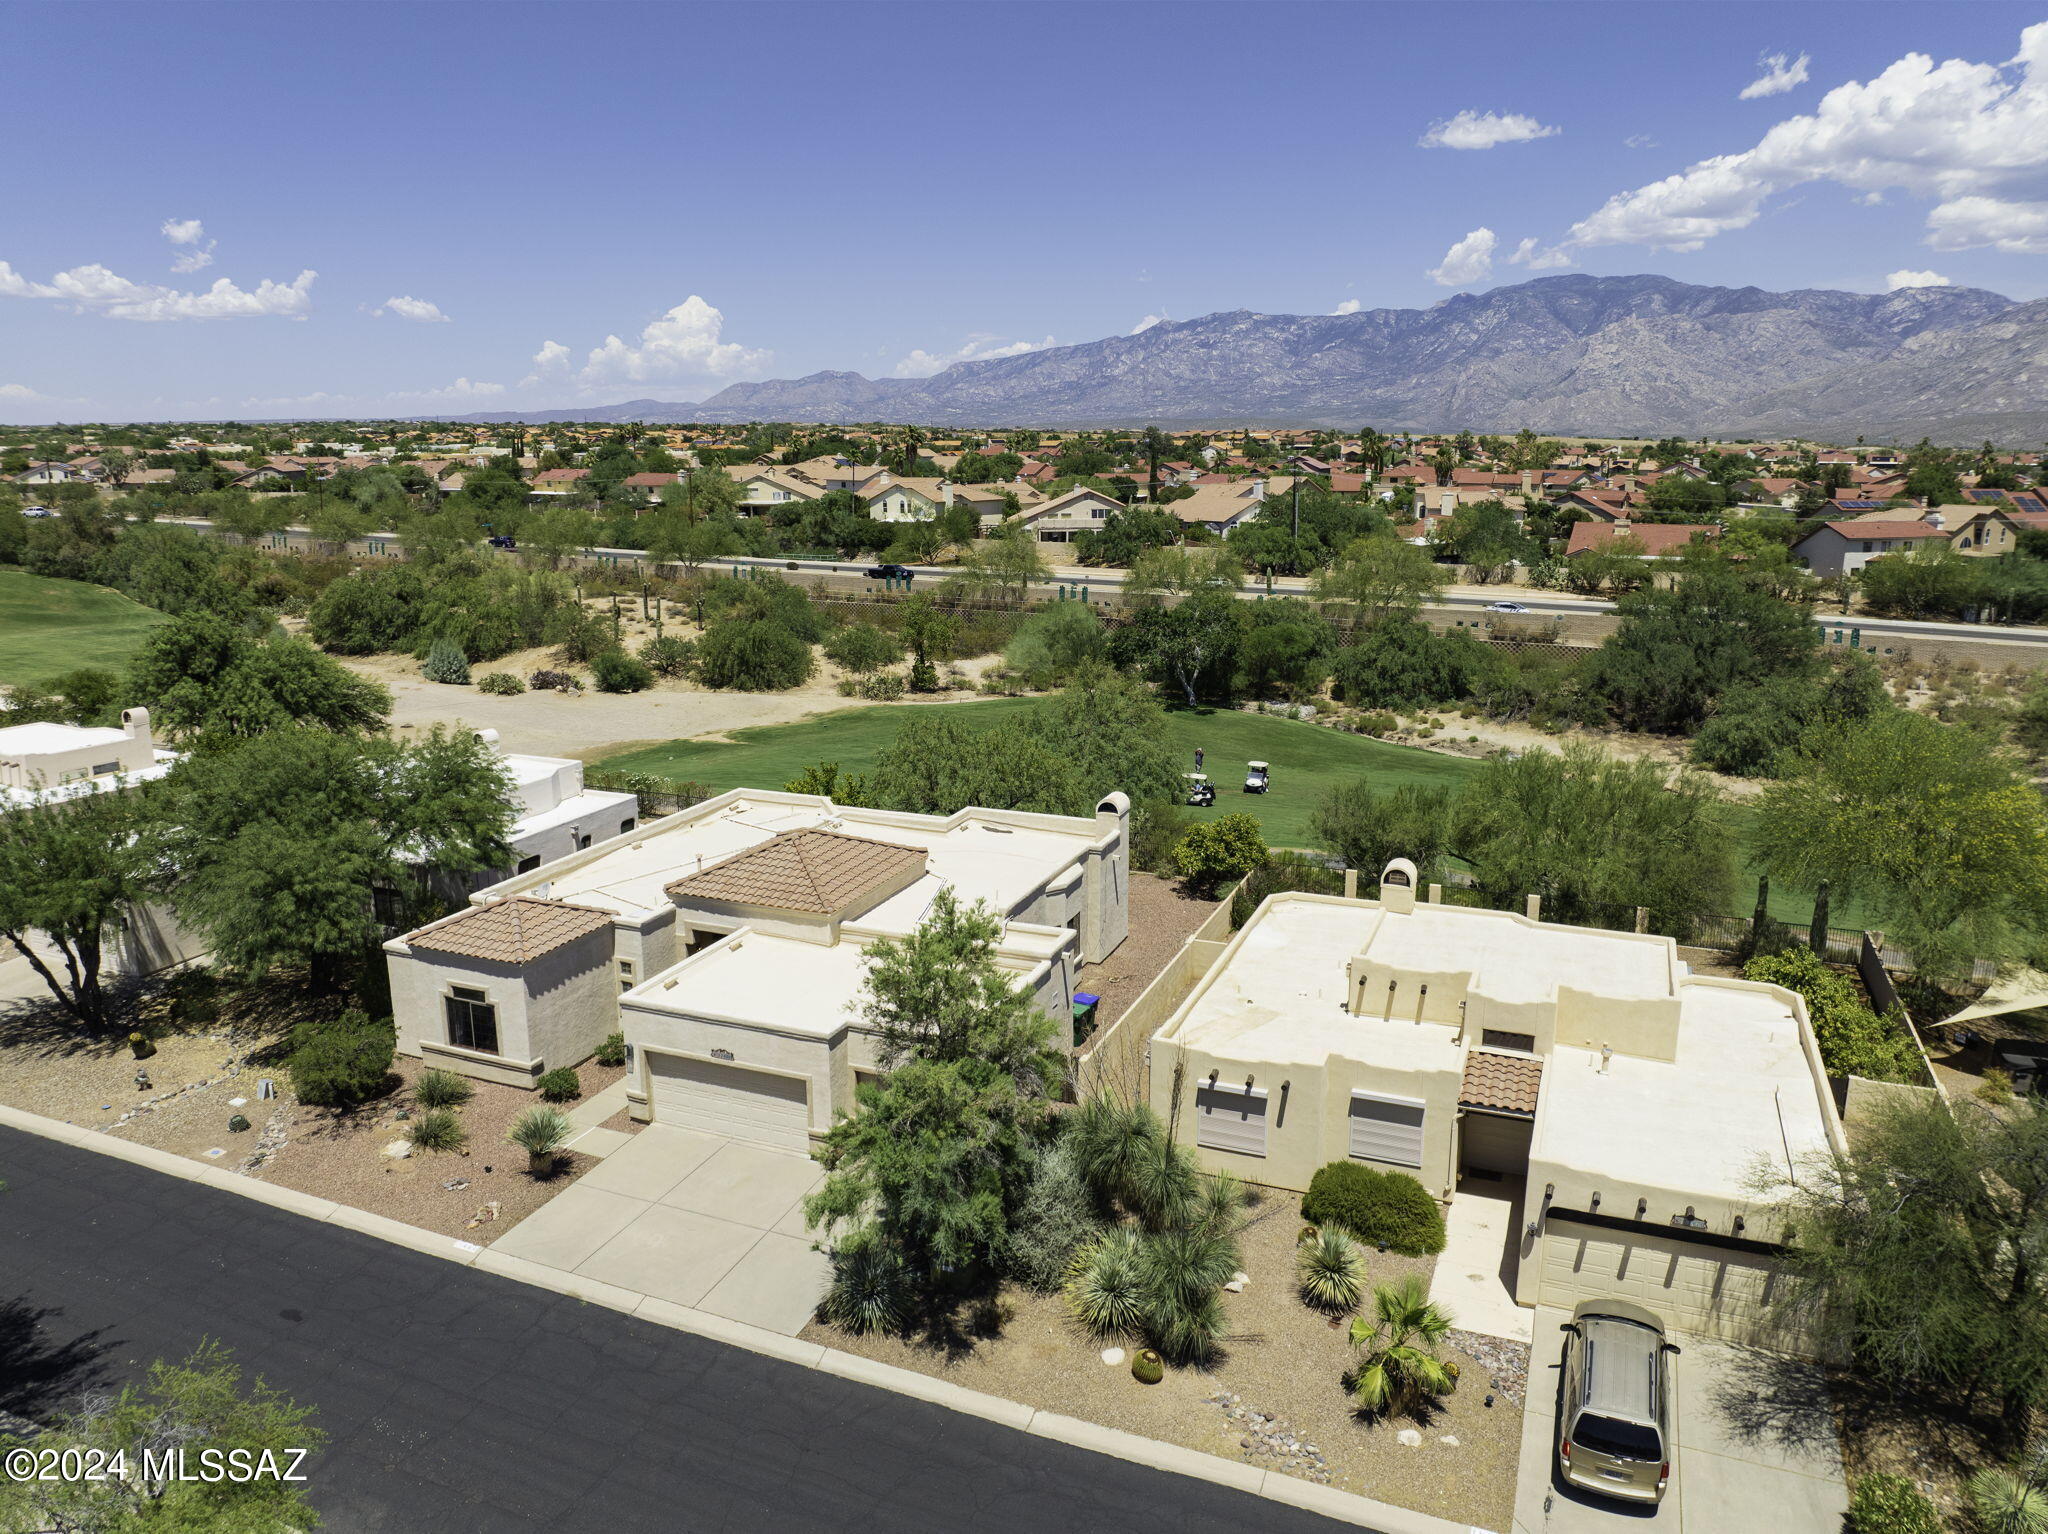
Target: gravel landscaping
point(1275, 1399)
point(1162, 917)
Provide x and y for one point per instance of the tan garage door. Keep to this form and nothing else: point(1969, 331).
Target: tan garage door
point(729, 1100)
point(1692, 1288)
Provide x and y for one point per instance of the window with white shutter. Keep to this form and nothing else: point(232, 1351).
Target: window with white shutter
point(1231, 1119)
point(1386, 1129)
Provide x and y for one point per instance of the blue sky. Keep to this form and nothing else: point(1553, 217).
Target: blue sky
point(579, 204)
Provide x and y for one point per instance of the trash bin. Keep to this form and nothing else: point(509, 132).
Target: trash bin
point(1084, 1014)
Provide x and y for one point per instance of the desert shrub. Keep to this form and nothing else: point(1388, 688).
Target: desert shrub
point(339, 1062)
point(437, 1129)
point(616, 671)
point(862, 648)
point(1853, 1040)
point(553, 681)
point(870, 1288)
point(446, 663)
point(540, 1130)
point(1057, 1217)
point(1157, 825)
point(752, 655)
point(560, 1085)
point(612, 1051)
point(668, 656)
point(1390, 1209)
point(886, 688)
point(442, 1089)
point(1104, 1290)
point(1331, 1269)
point(500, 684)
point(1215, 852)
point(1889, 1504)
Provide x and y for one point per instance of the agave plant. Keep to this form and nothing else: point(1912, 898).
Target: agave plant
point(1104, 1289)
point(1331, 1269)
point(2008, 1504)
point(540, 1131)
point(1401, 1368)
point(870, 1291)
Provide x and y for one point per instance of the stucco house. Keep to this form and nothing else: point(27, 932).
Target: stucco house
point(725, 943)
point(1059, 520)
point(1627, 1103)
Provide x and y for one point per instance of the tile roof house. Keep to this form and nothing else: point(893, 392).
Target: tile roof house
point(1844, 547)
point(513, 931)
point(813, 870)
point(1659, 539)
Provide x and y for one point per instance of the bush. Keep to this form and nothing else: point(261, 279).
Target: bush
point(1853, 1040)
point(752, 655)
point(540, 1132)
point(616, 671)
point(870, 1288)
point(612, 1051)
point(1889, 1504)
point(553, 681)
point(886, 688)
point(669, 657)
point(341, 1062)
point(1104, 1291)
point(446, 663)
point(1390, 1209)
point(501, 684)
point(442, 1089)
point(1217, 851)
point(560, 1085)
point(438, 1129)
point(1056, 1218)
point(1331, 1269)
point(862, 648)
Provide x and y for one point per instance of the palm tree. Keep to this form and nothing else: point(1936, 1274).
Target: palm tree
point(1401, 1367)
point(913, 441)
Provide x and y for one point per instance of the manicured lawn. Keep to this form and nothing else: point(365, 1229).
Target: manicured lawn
point(48, 627)
point(1306, 759)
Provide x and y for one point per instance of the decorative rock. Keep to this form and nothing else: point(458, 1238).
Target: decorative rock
point(397, 1150)
point(1408, 1438)
point(1449, 1440)
point(1113, 1356)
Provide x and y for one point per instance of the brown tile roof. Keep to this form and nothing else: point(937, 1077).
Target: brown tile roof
point(512, 931)
point(1504, 1083)
point(1655, 537)
point(813, 870)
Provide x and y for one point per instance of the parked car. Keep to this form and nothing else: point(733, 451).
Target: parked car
point(1614, 1427)
point(1505, 607)
point(37, 511)
point(503, 541)
point(889, 573)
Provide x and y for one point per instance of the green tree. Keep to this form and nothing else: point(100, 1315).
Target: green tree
point(862, 649)
point(752, 655)
point(1190, 644)
point(1173, 572)
point(1003, 568)
point(1484, 536)
point(1399, 662)
point(1401, 1368)
point(1369, 829)
point(1377, 576)
point(207, 677)
point(1217, 852)
point(1934, 828)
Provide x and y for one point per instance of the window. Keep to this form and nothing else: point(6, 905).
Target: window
point(101, 769)
point(386, 906)
point(472, 1021)
point(1386, 1129)
point(701, 940)
point(625, 974)
point(528, 864)
point(627, 825)
point(1231, 1118)
point(1494, 1038)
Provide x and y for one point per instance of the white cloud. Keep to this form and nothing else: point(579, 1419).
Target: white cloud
point(417, 310)
point(94, 289)
point(1904, 278)
point(1148, 322)
point(979, 347)
point(1467, 261)
point(552, 354)
point(1349, 306)
point(683, 342)
point(1528, 254)
point(1958, 132)
point(189, 232)
point(20, 392)
point(1780, 74)
point(1483, 130)
point(1639, 141)
point(2018, 228)
point(461, 389)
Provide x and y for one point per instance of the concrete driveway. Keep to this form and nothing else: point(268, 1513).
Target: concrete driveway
point(692, 1218)
point(1755, 1448)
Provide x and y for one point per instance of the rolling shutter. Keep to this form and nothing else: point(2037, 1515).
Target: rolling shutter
point(1231, 1119)
point(1386, 1129)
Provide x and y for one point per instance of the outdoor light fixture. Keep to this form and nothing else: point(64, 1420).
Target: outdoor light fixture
point(1688, 1220)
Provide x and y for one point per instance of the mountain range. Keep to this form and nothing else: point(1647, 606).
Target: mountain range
point(1637, 356)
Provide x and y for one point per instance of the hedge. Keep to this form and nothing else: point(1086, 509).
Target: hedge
point(1389, 1209)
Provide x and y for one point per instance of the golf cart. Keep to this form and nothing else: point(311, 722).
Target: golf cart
point(1201, 792)
point(1257, 777)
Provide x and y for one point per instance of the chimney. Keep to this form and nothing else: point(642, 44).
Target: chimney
point(1934, 520)
point(1528, 481)
point(946, 493)
point(135, 724)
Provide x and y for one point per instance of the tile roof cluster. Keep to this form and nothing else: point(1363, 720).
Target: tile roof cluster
point(812, 870)
point(1501, 1083)
point(1655, 537)
point(513, 931)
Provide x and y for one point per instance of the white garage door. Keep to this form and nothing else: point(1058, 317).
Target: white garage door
point(729, 1100)
point(1693, 1288)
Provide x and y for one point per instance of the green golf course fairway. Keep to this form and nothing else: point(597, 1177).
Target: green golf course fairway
point(1306, 759)
point(49, 627)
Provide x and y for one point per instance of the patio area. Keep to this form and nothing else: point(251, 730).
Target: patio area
point(692, 1218)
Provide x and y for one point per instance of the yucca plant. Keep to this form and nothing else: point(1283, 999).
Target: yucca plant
point(1182, 1273)
point(1219, 1199)
point(438, 1129)
point(1105, 1137)
point(1401, 1368)
point(2008, 1504)
point(870, 1292)
point(442, 1089)
point(1104, 1291)
point(1331, 1269)
point(540, 1131)
point(1164, 1187)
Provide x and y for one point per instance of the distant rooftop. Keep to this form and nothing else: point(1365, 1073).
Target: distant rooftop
point(811, 870)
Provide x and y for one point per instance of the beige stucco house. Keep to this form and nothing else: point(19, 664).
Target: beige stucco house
point(1631, 1103)
point(725, 942)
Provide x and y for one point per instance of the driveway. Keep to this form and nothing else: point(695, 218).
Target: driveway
point(711, 1223)
point(1755, 1448)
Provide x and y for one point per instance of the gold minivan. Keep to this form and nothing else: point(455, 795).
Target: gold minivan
point(1614, 1426)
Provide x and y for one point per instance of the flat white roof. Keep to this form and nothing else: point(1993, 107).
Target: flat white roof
point(1511, 959)
point(50, 739)
point(770, 982)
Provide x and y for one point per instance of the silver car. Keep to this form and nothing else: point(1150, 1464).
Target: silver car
point(1614, 1428)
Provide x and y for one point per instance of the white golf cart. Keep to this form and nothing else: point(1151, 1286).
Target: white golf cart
point(1201, 792)
point(1257, 777)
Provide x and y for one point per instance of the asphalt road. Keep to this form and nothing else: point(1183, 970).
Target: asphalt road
point(456, 1400)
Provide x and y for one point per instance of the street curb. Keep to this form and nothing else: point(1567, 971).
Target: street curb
point(1174, 1459)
